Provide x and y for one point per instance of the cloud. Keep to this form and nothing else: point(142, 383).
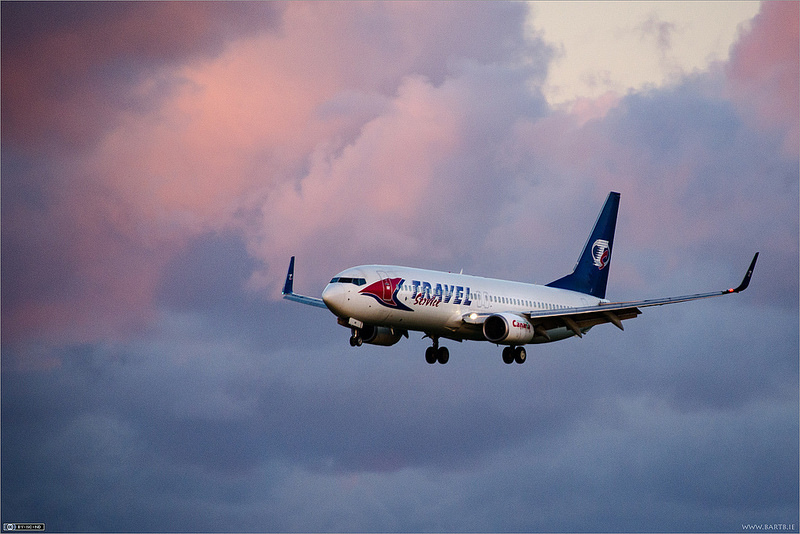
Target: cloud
point(70, 69)
point(398, 202)
point(240, 126)
point(764, 71)
point(63, 256)
point(662, 31)
point(148, 360)
point(334, 436)
point(682, 158)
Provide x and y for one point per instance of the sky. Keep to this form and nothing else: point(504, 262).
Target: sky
point(162, 161)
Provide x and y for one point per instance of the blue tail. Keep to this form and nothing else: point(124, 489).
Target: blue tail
point(591, 272)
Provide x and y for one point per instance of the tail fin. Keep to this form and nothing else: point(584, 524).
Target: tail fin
point(591, 272)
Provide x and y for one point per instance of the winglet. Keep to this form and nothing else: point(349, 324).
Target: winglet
point(747, 276)
point(289, 284)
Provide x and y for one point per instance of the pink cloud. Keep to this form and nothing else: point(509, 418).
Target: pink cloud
point(586, 109)
point(64, 81)
point(279, 126)
point(374, 192)
point(764, 71)
point(273, 124)
point(75, 275)
point(356, 133)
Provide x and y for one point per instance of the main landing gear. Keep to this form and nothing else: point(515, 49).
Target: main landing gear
point(514, 354)
point(435, 353)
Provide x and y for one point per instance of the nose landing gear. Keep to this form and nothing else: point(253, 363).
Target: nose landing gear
point(356, 340)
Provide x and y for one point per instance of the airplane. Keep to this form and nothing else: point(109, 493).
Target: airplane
point(381, 303)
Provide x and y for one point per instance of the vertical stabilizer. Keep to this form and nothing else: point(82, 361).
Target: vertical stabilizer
point(590, 275)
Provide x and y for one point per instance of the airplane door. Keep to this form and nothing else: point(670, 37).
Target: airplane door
point(487, 303)
point(382, 312)
point(386, 287)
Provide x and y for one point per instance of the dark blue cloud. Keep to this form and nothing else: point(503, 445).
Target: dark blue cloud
point(175, 421)
point(210, 274)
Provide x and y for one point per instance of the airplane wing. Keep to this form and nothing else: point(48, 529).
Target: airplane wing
point(289, 294)
point(580, 318)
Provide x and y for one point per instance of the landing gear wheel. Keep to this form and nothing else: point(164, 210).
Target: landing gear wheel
point(435, 353)
point(430, 355)
point(508, 355)
point(356, 341)
point(520, 355)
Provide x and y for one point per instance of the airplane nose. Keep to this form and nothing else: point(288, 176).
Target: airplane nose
point(333, 296)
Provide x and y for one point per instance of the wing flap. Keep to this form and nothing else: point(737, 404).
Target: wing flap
point(615, 312)
point(577, 319)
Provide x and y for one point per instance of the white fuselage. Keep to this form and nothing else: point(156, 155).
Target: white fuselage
point(435, 302)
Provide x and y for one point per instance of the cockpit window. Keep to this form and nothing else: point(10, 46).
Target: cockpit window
point(348, 280)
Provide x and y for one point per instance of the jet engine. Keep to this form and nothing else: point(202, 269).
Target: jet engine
point(508, 328)
point(380, 335)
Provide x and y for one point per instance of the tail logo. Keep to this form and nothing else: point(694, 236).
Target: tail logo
point(600, 253)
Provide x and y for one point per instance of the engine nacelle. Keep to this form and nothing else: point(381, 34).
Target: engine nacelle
point(508, 328)
point(380, 335)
